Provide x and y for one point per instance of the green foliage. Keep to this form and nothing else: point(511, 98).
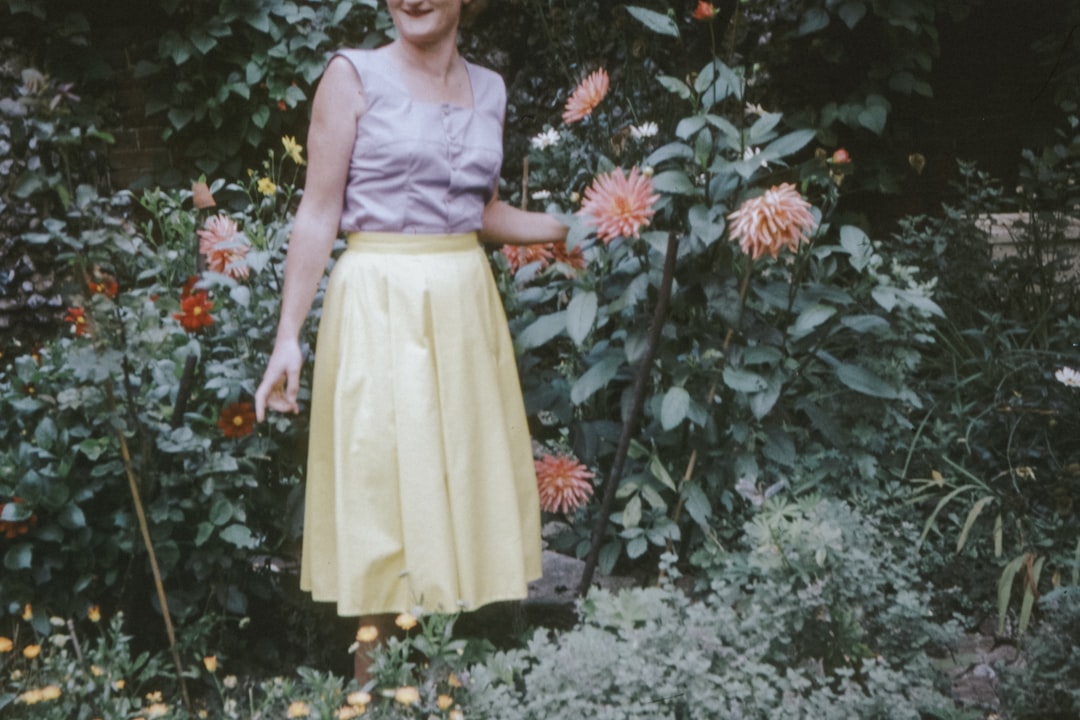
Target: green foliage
point(1047, 683)
point(135, 395)
point(818, 616)
point(229, 77)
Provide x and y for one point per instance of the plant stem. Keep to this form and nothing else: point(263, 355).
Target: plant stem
point(630, 424)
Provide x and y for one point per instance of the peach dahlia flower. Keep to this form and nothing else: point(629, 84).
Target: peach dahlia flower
point(586, 96)
point(563, 483)
point(224, 247)
point(764, 225)
point(619, 205)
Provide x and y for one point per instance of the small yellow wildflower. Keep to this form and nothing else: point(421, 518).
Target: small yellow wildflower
point(157, 710)
point(210, 663)
point(118, 685)
point(294, 149)
point(50, 692)
point(405, 621)
point(367, 634)
point(346, 712)
point(28, 612)
point(96, 671)
point(444, 702)
point(31, 651)
point(358, 698)
point(94, 613)
point(266, 186)
point(298, 709)
point(407, 695)
point(30, 697)
point(154, 697)
point(6, 645)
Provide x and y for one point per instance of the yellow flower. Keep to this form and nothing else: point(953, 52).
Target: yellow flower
point(96, 671)
point(6, 645)
point(405, 621)
point(157, 710)
point(94, 613)
point(453, 681)
point(210, 663)
point(50, 692)
point(266, 186)
point(31, 651)
point(346, 712)
point(457, 714)
point(407, 695)
point(28, 612)
point(294, 149)
point(298, 709)
point(358, 698)
point(154, 697)
point(119, 684)
point(367, 634)
point(30, 697)
point(444, 702)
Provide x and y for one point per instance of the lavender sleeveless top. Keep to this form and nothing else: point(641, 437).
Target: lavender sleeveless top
point(420, 167)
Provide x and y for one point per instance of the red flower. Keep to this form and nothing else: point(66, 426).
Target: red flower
point(778, 219)
point(841, 156)
point(106, 286)
point(188, 287)
point(223, 247)
point(11, 529)
point(704, 11)
point(237, 420)
point(281, 105)
point(586, 97)
point(522, 255)
point(195, 310)
point(619, 205)
point(563, 483)
point(80, 324)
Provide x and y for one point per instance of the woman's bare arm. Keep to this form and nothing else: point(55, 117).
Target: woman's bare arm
point(508, 225)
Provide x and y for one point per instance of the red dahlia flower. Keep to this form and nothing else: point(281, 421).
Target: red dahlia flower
point(195, 310)
point(237, 420)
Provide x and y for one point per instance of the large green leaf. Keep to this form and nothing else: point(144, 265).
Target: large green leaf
point(543, 329)
point(657, 22)
point(580, 316)
point(595, 378)
point(673, 408)
point(864, 381)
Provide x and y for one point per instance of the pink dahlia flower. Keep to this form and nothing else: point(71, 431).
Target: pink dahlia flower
point(766, 224)
point(224, 247)
point(563, 483)
point(586, 96)
point(619, 205)
point(522, 255)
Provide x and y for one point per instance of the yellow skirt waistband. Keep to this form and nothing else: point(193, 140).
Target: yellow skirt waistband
point(411, 244)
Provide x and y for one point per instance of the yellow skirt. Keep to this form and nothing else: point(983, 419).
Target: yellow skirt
point(420, 483)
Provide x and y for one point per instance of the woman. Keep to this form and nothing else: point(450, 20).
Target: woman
point(420, 490)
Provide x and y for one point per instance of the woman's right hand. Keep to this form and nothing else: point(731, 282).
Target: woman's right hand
point(281, 381)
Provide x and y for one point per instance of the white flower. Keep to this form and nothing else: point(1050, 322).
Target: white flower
point(230, 681)
point(755, 109)
point(750, 152)
point(1068, 377)
point(541, 195)
point(644, 130)
point(546, 139)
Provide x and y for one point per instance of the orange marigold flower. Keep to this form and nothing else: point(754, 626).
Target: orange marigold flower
point(223, 247)
point(444, 702)
point(367, 634)
point(405, 621)
point(619, 205)
point(31, 651)
point(522, 255)
point(28, 612)
point(563, 482)
point(195, 310)
point(406, 695)
point(298, 709)
point(6, 645)
point(94, 614)
point(778, 219)
point(586, 96)
point(106, 286)
point(80, 324)
point(236, 421)
point(210, 663)
point(704, 11)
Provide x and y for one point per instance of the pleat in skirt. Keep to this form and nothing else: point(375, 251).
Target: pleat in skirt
point(420, 490)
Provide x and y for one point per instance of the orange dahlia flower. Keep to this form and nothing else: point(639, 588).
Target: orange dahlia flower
point(563, 483)
point(195, 310)
point(704, 11)
point(619, 205)
point(522, 255)
point(223, 247)
point(586, 96)
point(237, 420)
point(778, 219)
point(575, 259)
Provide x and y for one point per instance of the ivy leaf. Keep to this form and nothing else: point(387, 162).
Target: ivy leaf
point(657, 22)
